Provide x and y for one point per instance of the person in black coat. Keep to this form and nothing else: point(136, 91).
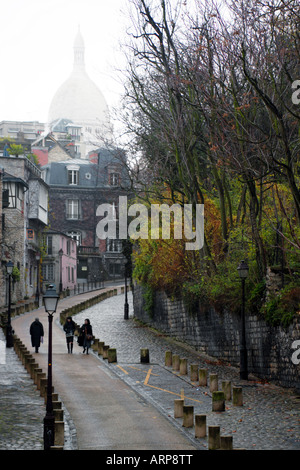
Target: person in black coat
point(36, 333)
point(87, 334)
point(69, 329)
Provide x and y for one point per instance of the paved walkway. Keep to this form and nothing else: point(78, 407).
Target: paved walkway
point(129, 405)
point(106, 412)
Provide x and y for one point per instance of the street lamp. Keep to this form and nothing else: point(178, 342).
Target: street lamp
point(50, 302)
point(243, 270)
point(9, 336)
point(126, 307)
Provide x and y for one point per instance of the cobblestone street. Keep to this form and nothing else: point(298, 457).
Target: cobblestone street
point(270, 416)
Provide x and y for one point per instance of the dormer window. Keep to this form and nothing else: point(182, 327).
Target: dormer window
point(73, 174)
point(72, 177)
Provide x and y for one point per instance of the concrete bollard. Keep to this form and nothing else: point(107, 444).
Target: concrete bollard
point(39, 377)
point(43, 386)
point(175, 362)
point(226, 442)
point(183, 366)
point(178, 408)
point(168, 358)
point(95, 344)
point(36, 372)
point(59, 430)
point(105, 351)
point(203, 377)
point(194, 373)
point(56, 405)
point(218, 401)
point(213, 437)
point(23, 355)
point(100, 348)
point(112, 355)
point(213, 382)
point(144, 356)
point(237, 396)
point(188, 416)
point(33, 367)
point(25, 358)
point(29, 361)
point(226, 388)
point(200, 425)
point(58, 414)
point(54, 397)
point(20, 349)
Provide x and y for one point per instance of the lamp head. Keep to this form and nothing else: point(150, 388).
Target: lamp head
point(9, 267)
point(243, 270)
point(51, 299)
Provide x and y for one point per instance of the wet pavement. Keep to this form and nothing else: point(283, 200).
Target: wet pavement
point(21, 406)
point(268, 419)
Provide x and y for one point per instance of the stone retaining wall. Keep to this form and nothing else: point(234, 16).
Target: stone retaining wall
point(269, 348)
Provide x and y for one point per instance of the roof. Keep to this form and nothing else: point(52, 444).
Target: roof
point(13, 179)
point(91, 175)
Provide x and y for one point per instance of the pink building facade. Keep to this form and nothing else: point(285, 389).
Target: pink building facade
point(59, 263)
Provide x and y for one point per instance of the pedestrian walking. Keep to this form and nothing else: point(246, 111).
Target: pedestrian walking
point(87, 333)
point(69, 329)
point(37, 334)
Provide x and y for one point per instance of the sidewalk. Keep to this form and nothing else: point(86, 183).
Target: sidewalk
point(129, 405)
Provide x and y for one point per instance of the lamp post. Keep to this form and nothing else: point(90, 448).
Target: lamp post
point(50, 301)
point(126, 307)
point(9, 336)
point(243, 270)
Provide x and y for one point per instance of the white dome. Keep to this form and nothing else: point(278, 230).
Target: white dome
point(78, 98)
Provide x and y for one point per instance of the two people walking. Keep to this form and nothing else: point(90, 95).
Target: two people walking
point(85, 335)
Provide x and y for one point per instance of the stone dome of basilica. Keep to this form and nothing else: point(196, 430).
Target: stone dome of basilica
point(79, 99)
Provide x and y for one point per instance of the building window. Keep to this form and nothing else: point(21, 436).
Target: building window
point(15, 194)
point(114, 179)
point(72, 209)
point(49, 245)
point(114, 268)
point(48, 272)
point(75, 236)
point(73, 177)
point(113, 245)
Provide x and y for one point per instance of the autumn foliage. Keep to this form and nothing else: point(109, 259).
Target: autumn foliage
point(210, 110)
